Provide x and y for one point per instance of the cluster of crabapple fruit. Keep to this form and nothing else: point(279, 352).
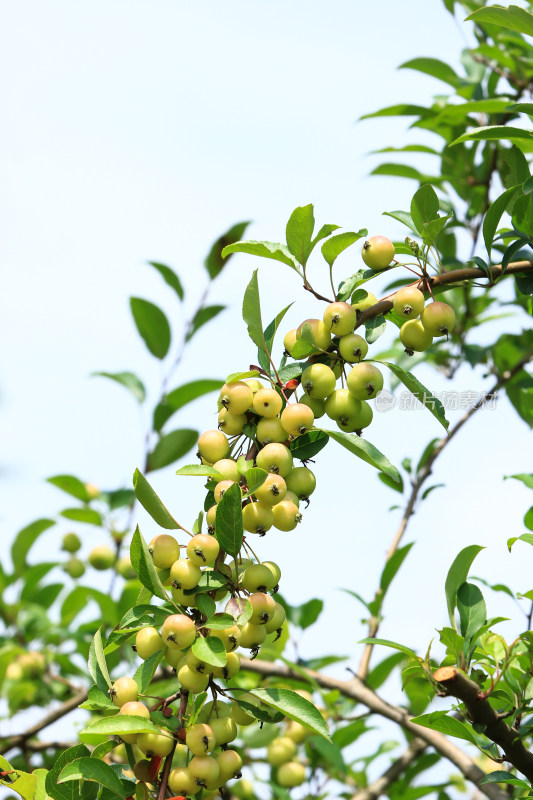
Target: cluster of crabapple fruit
point(101, 557)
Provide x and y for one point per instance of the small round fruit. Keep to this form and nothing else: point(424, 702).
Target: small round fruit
point(275, 570)
point(231, 424)
point(414, 336)
point(200, 739)
point(193, 681)
point(204, 770)
point(317, 406)
point(202, 549)
point(291, 774)
point(101, 557)
point(141, 770)
point(124, 690)
point(278, 618)
point(290, 340)
point(133, 709)
point(340, 318)
point(366, 302)
point(230, 669)
point(224, 730)
point(254, 384)
point(155, 744)
point(281, 750)
point(257, 518)
point(74, 567)
point(263, 606)
point(318, 380)
point(71, 543)
point(364, 381)
point(378, 252)
point(212, 710)
point(408, 302)
point(319, 332)
point(240, 715)
point(227, 467)
point(236, 397)
point(272, 491)
point(210, 519)
point(301, 481)
point(270, 430)
point(185, 574)
point(182, 782)
point(438, 318)
point(267, 403)
point(297, 418)
point(147, 642)
point(230, 764)
point(296, 731)
point(125, 568)
point(252, 635)
point(341, 406)
point(286, 515)
point(184, 598)
point(213, 445)
point(353, 348)
point(237, 567)
point(175, 658)
point(221, 488)
point(257, 578)
point(178, 631)
point(165, 550)
point(196, 664)
point(275, 457)
point(230, 637)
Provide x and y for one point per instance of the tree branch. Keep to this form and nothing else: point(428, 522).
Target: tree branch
point(397, 768)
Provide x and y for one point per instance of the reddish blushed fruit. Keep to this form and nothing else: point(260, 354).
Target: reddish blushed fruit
point(378, 252)
point(263, 606)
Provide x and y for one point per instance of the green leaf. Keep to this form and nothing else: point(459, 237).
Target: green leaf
point(217, 259)
point(366, 451)
point(420, 392)
point(144, 566)
point(306, 614)
point(405, 171)
point(403, 217)
point(500, 776)
point(201, 318)
point(266, 250)
point(146, 671)
point(24, 539)
point(347, 286)
point(392, 566)
point(431, 230)
point(329, 752)
point(308, 444)
point(229, 529)
point(494, 215)
point(472, 609)
point(179, 397)
point(97, 664)
point(525, 478)
point(526, 537)
point(387, 643)
point(78, 599)
point(323, 233)
point(98, 700)
point(199, 469)
point(91, 769)
point(374, 328)
point(23, 783)
point(119, 724)
point(251, 312)
point(171, 447)
point(268, 336)
point(211, 650)
point(127, 379)
point(206, 605)
point(151, 502)
point(86, 515)
point(424, 206)
point(299, 232)
point(255, 477)
point(71, 485)
point(170, 277)
point(457, 574)
point(240, 376)
point(295, 707)
point(401, 110)
point(66, 757)
point(494, 132)
point(513, 17)
point(337, 244)
point(152, 325)
point(434, 67)
point(440, 721)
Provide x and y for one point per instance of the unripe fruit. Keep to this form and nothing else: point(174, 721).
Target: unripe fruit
point(281, 750)
point(133, 709)
point(291, 774)
point(278, 618)
point(276, 458)
point(239, 715)
point(270, 430)
point(318, 380)
point(184, 598)
point(236, 397)
point(293, 498)
point(286, 515)
point(378, 252)
point(230, 764)
point(231, 667)
point(297, 418)
point(194, 682)
point(227, 467)
point(364, 381)
point(178, 631)
point(196, 664)
point(74, 567)
point(125, 568)
point(200, 739)
point(124, 690)
point(272, 491)
point(438, 318)
point(211, 518)
point(320, 332)
point(175, 658)
point(252, 635)
point(341, 406)
point(296, 731)
point(101, 557)
point(231, 424)
point(165, 550)
point(353, 347)
point(212, 710)
point(263, 606)
point(254, 384)
point(213, 445)
point(257, 518)
point(408, 302)
point(141, 770)
point(221, 488)
point(289, 340)
point(274, 569)
point(366, 302)
point(224, 730)
point(71, 543)
point(414, 336)
point(184, 574)
point(230, 637)
point(202, 549)
point(181, 781)
point(301, 481)
point(267, 403)
point(155, 744)
point(238, 566)
point(147, 642)
point(204, 770)
point(340, 318)
point(316, 406)
point(257, 578)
